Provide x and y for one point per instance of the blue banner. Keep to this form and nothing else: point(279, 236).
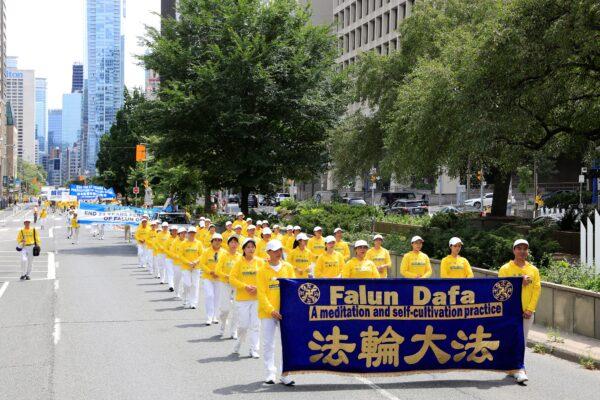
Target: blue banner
point(395, 326)
point(111, 214)
point(89, 192)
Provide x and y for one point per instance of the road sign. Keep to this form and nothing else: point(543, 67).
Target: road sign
point(581, 178)
point(136, 190)
point(140, 152)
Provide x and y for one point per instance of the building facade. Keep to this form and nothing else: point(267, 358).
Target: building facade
point(71, 119)
point(77, 78)
point(54, 128)
point(20, 91)
point(105, 62)
point(41, 113)
point(3, 116)
point(152, 84)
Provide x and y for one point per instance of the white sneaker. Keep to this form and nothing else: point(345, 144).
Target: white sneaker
point(254, 354)
point(521, 377)
point(270, 380)
point(209, 322)
point(234, 336)
point(287, 381)
point(236, 348)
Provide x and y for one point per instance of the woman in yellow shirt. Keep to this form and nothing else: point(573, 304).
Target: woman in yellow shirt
point(223, 269)
point(277, 234)
point(416, 264)
point(261, 246)
point(243, 278)
point(331, 263)
point(380, 256)
point(268, 305)
point(177, 261)
point(169, 263)
point(43, 216)
point(190, 253)
point(75, 228)
point(316, 244)
point(340, 245)
point(360, 267)
point(453, 265)
point(208, 262)
point(300, 257)
point(288, 239)
point(530, 291)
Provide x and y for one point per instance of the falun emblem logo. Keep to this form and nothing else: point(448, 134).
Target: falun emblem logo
point(309, 293)
point(502, 290)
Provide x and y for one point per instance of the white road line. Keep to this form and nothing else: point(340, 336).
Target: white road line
point(3, 288)
point(378, 389)
point(56, 333)
point(51, 266)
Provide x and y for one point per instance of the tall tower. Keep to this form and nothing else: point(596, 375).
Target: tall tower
point(20, 91)
point(41, 111)
point(105, 55)
point(77, 80)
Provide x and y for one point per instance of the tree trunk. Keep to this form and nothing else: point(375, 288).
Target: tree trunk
point(501, 186)
point(207, 202)
point(244, 199)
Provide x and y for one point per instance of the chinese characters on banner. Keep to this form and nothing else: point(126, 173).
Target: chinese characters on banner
point(398, 325)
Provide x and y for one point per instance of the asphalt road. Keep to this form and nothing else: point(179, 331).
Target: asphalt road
point(92, 325)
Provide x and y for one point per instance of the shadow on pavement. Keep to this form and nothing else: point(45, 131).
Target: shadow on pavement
point(167, 299)
point(148, 284)
point(258, 387)
point(192, 326)
point(180, 308)
point(212, 339)
point(118, 250)
point(159, 291)
point(230, 357)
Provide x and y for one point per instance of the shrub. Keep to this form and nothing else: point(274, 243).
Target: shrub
point(563, 273)
point(564, 200)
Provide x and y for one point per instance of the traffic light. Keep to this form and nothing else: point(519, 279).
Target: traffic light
point(140, 152)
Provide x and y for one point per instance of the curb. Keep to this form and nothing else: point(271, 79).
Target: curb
point(562, 353)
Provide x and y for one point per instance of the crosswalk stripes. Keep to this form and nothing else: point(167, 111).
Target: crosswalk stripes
point(10, 266)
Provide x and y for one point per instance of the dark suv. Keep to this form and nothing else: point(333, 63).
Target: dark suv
point(408, 207)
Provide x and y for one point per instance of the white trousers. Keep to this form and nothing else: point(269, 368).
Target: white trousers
point(166, 272)
point(157, 264)
point(141, 259)
point(211, 299)
point(176, 279)
point(26, 260)
point(268, 330)
point(248, 322)
point(75, 234)
point(226, 310)
point(148, 257)
point(191, 286)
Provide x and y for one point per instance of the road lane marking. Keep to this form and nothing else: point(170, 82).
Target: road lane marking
point(378, 389)
point(3, 288)
point(51, 266)
point(56, 333)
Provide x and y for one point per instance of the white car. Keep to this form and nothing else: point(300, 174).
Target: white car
point(487, 201)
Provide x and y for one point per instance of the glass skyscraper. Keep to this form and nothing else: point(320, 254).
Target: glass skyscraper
point(41, 112)
point(77, 80)
point(105, 59)
point(54, 129)
point(71, 119)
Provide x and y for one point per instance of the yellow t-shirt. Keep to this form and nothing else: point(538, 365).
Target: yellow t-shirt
point(74, 223)
point(380, 257)
point(342, 248)
point(288, 242)
point(142, 233)
point(27, 234)
point(225, 264)
point(268, 287)
point(316, 246)
point(261, 249)
point(159, 242)
point(329, 265)
point(356, 269)
point(190, 252)
point(209, 260)
point(300, 260)
point(415, 264)
point(226, 235)
point(530, 294)
point(242, 274)
point(455, 267)
point(174, 250)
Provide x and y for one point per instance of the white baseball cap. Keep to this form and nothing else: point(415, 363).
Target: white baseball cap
point(329, 239)
point(265, 222)
point(274, 245)
point(145, 216)
point(275, 226)
point(216, 236)
point(228, 223)
point(378, 236)
point(520, 241)
point(259, 222)
point(173, 227)
point(338, 229)
point(250, 227)
point(289, 228)
point(267, 231)
point(248, 219)
point(361, 243)
point(317, 228)
point(297, 228)
point(416, 239)
point(454, 241)
point(165, 224)
point(191, 229)
point(27, 219)
point(202, 218)
point(202, 224)
point(240, 214)
point(181, 230)
point(301, 236)
point(237, 227)
point(248, 240)
point(236, 237)
point(144, 219)
point(155, 222)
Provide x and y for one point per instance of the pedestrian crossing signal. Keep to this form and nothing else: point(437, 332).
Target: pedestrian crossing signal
point(140, 152)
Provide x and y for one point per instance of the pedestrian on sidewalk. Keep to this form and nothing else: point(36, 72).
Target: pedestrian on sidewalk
point(268, 307)
point(223, 269)
point(530, 292)
point(35, 214)
point(75, 228)
point(208, 262)
point(27, 238)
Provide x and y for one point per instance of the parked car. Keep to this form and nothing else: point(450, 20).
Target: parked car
point(408, 207)
point(487, 201)
point(449, 210)
point(354, 201)
point(388, 198)
point(173, 218)
point(252, 200)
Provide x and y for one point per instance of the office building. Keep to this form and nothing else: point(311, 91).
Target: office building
point(54, 128)
point(54, 164)
point(20, 91)
point(105, 55)
point(8, 152)
point(322, 11)
point(41, 113)
point(71, 119)
point(77, 78)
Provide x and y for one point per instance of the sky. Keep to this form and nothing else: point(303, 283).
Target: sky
point(48, 36)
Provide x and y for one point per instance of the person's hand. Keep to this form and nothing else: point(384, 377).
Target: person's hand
point(526, 280)
point(527, 314)
point(276, 315)
point(250, 289)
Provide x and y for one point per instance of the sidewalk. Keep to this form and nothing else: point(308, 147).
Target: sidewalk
point(567, 346)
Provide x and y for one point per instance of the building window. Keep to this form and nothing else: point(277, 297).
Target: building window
point(378, 25)
point(386, 22)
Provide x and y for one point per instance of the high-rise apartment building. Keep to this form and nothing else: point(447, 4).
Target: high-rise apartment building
point(77, 78)
point(71, 119)
point(152, 84)
point(20, 91)
point(54, 128)
point(41, 112)
point(105, 59)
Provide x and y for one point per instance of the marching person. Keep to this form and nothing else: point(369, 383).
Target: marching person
point(69, 229)
point(259, 228)
point(453, 265)
point(245, 229)
point(288, 239)
point(223, 269)
point(27, 237)
point(268, 306)
point(35, 214)
point(360, 267)
point(100, 231)
point(316, 244)
point(75, 228)
point(175, 251)
point(243, 278)
point(162, 240)
point(170, 257)
point(331, 263)
point(238, 232)
point(380, 256)
point(300, 257)
point(149, 246)
point(239, 220)
point(227, 233)
point(208, 263)
point(261, 246)
point(341, 246)
point(43, 216)
point(530, 292)
point(277, 234)
point(415, 263)
point(140, 236)
point(190, 252)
